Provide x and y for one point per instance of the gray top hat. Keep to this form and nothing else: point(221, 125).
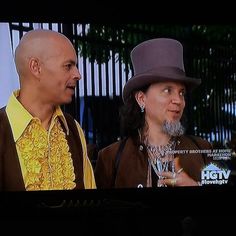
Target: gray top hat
point(158, 60)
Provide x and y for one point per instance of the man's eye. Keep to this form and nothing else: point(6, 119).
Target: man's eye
point(167, 90)
point(182, 93)
point(68, 66)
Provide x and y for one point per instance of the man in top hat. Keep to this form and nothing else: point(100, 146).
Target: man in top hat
point(155, 152)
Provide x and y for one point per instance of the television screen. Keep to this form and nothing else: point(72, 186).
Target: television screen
point(106, 66)
point(104, 62)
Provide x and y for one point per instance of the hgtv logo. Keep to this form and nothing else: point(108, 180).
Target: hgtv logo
point(212, 174)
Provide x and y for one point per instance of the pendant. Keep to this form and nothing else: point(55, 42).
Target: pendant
point(159, 165)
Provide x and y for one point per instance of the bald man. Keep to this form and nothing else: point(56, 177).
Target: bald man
point(41, 148)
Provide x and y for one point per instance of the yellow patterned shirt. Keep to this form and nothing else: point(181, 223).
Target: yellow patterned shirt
point(44, 156)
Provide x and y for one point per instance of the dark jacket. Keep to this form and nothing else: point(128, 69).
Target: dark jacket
point(11, 178)
point(133, 166)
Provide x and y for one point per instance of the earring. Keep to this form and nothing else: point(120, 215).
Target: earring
point(142, 108)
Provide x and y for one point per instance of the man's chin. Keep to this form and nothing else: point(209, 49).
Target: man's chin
point(66, 101)
point(173, 120)
point(173, 128)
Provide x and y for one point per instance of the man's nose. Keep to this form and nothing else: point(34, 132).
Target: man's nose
point(76, 74)
point(177, 98)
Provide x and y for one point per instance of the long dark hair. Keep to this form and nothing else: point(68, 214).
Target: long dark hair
point(131, 117)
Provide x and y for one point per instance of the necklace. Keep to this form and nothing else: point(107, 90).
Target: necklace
point(160, 158)
point(159, 152)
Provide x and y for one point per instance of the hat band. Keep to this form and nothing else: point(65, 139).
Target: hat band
point(165, 71)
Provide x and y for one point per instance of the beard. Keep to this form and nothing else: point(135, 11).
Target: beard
point(173, 128)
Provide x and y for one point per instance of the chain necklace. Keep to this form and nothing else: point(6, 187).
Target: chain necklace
point(160, 158)
point(160, 152)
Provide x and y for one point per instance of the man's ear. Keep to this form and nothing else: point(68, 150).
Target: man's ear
point(140, 98)
point(34, 66)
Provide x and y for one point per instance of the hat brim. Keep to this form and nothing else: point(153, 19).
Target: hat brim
point(144, 79)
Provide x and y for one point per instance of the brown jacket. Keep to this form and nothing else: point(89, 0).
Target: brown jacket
point(11, 178)
point(133, 165)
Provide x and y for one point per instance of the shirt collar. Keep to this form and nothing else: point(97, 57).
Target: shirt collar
point(15, 109)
